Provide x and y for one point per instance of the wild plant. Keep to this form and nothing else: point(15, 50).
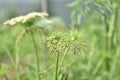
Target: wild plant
point(63, 43)
point(107, 12)
point(31, 23)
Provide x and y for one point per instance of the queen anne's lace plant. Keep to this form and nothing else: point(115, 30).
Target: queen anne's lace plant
point(30, 22)
point(28, 19)
point(59, 42)
point(63, 43)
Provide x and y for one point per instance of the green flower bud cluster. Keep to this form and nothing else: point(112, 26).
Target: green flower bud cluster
point(27, 20)
point(58, 42)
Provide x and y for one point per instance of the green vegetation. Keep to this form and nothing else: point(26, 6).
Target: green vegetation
point(36, 47)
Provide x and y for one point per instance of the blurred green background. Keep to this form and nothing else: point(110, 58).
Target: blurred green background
point(97, 22)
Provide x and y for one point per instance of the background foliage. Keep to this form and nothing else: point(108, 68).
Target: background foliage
point(97, 23)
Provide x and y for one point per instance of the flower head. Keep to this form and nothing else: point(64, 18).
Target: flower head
point(61, 41)
point(58, 42)
point(27, 19)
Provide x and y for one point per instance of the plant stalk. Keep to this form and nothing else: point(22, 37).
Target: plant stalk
point(107, 41)
point(61, 64)
point(56, 71)
point(36, 53)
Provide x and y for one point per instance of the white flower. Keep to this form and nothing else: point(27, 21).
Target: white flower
point(24, 19)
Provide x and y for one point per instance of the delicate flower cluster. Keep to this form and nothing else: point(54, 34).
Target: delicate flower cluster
point(29, 18)
point(59, 42)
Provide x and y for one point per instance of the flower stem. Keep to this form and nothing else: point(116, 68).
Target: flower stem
point(36, 53)
point(61, 64)
point(56, 71)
